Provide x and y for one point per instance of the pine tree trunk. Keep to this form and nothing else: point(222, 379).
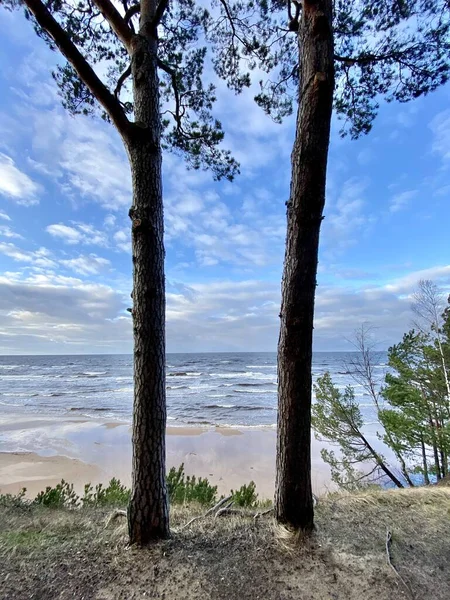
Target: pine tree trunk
point(148, 514)
point(293, 496)
point(424, 462)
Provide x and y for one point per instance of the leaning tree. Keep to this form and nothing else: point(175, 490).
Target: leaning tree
point(344, 56)
point(153, 93)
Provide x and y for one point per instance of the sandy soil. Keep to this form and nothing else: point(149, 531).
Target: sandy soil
point(37, 472)
point(47, 554)
point(41, 451)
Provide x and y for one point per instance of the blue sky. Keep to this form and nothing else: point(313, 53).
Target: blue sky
point(65, 264)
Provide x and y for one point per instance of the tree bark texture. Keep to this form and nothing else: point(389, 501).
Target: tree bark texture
point(293, 495)
point(148, 514)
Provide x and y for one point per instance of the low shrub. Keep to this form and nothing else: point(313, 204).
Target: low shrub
point(14, 500)
point(183, 488)
point(245, 496)
point(61, 496)
point(114, 494)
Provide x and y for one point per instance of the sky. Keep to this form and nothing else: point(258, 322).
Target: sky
point(65, 262)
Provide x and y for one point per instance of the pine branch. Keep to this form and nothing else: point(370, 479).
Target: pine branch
point(173, 76)
point(122, 80)
point(133, 10)
point(160, 10)
point(116, 21)
point(82, 67)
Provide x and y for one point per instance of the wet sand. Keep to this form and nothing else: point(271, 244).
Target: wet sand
point(39, 452)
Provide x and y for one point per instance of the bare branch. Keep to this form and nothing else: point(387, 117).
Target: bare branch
point(122, 80)
point(160, 10)
point(173, 76)
point(116, 21)
point(79, 63)
point(133, 10)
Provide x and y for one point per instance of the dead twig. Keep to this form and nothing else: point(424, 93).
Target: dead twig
point(258, 515)
point(113, 516)
point(207, 513)
point(389, 562)
point(225, 509)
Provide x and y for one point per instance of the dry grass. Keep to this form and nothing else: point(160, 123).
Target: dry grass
point(47, 554)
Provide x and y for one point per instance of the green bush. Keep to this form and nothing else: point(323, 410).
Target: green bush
point(14, 500)
point(184, 489)
point(245, 496)
point(61, 496)
point(115, 494)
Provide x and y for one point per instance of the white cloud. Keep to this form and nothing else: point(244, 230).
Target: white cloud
point(69, 235)
point(15, 184)
point(122, 240)
point(7, 232)
point(440, 126)
point(400, 201)
point(4, 216)
point(109, 221)
point(78, 233)
point(86, 265)
point(50, 313)
point(38, 258)
point(346, 216)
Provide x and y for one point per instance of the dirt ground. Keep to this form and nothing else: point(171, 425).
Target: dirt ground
point(46, 554)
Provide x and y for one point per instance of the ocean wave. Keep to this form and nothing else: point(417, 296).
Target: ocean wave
point(91, 408)
point(177, 387)
point(260, 366)
point(94, 373)
point(255, 391)
point(184, 374)
point(246, 384)
point(237, 407)
point(239, 374)
point(27, 377)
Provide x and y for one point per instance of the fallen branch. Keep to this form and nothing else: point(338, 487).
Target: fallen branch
point(389, 561)
point(207, 513)
point(113, 516)
point(225, 509)
point(258, 515)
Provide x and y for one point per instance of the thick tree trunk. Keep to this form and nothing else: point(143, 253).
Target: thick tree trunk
point(293, 496)
point(148, 514)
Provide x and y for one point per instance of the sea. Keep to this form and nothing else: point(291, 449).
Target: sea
point(203, 390)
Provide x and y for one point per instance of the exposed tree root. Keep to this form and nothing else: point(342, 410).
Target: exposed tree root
point(215, 508)
point(389, 562)
point(113, 516)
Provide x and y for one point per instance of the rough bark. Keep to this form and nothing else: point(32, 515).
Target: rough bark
point(424, 461)
point(293, 496)
point(148, 515)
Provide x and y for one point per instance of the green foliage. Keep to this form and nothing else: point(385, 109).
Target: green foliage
point(245, 496)
point(183, 488)
point(417, 416)
point(391, 50)
point(14, 500)
point(115, 494)
point(186, 97)
point(413, 415)
point(61, 496)
point(336, 418)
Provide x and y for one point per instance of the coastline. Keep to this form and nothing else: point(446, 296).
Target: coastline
point(38, 452)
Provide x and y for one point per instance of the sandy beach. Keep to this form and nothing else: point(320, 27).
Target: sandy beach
point(40, 451)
